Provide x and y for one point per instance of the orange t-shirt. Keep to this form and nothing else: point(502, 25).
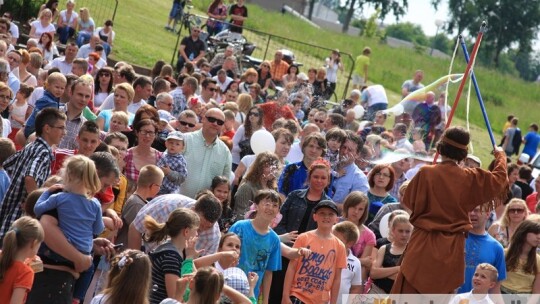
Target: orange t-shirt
point(314, 276)
point(19, 275)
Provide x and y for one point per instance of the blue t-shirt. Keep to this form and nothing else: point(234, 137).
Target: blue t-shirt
point(532, 139)
point(107, 115)
point(46, 101)
point(79, 218)
point(259, 252)
point(482, 249)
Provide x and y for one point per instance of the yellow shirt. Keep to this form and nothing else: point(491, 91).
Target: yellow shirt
point(362, 61)
point(519, 281)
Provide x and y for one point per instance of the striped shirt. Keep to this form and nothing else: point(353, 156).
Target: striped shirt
point(33, 161)
point(69, 141)
point(165, 260)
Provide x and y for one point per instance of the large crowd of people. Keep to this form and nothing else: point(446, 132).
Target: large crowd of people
point(124, 188)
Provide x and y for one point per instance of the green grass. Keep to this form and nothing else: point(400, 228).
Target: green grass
point(142, 40)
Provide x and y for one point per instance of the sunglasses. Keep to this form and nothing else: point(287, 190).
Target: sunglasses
point(212, 89)
point(319, 121)
point(218, 121)
point(185, 123)
point(256, 114)
point(516, 210)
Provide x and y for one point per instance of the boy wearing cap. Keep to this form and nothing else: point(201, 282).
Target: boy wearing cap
point(317, 278)
point(173, 164)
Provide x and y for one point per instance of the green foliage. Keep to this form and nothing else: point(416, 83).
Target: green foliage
point(371, 24)
point(22, 9)
point(407, 31)
point(441, 43)
point(360, 24)
point(508, 23)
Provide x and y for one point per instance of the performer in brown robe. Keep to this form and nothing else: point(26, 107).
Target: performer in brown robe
point(440, 197)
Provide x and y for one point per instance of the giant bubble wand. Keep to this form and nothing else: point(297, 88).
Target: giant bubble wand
point(470, 64)
point(477, 90)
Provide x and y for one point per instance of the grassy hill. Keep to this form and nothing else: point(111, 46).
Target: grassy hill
point(141, 39)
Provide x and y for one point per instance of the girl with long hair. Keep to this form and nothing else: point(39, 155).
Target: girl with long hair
point(103, 85)
point(381, 180)
point(221, 188)
point(356, 210)
point(242, 136)
point(261, 175)
point(129, 279)
point(47, 47)
point(167, 258)
point(217, 11)
point(20, 243)
point(522, 260)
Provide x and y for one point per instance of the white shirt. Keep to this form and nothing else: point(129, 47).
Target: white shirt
point(404, 143)
point(134, 106)
point(71, 21)
point(350, 276)
point(223, 85)
point(14, 30)
point(108, 104)
point(471, 299)
point(62, 64)
point(86, 49)
point(295, 154)
point(36, 94)
point(6, 127)
point(374, 94)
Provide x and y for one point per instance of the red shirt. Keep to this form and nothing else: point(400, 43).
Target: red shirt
point(272, 112)
point(60, 156)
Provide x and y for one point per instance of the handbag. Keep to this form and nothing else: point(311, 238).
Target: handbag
point(245, 148)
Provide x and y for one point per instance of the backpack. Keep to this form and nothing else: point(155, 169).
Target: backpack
point(516, 141)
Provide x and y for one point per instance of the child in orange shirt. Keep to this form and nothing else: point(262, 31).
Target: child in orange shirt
point(16, 277)
point(316, 279)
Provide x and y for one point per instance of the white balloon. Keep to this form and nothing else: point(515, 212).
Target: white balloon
point(262, 141)
point(383, 225)
point(358, 111)
point(395, 110)
point(398, 109)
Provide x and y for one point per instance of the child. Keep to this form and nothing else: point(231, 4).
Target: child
point(261, 251)
point(485, 278)
point(17, 110)
point(167, 258)
point(119, 122)
point(351, 277)
point(30, 167)
point(228, 127)
point(335, 137)
point(7, 148)
point(328, 257)
point(20, 243)
point(79, 214)
point(386, 266)
point(54, 89)
point(150, 177)
point(173, 164)
point(221, 188)
point(93, 59)
point(175, 14)
point(130, 271)
point(87, 141)
point(418, 140)
point(297, 109)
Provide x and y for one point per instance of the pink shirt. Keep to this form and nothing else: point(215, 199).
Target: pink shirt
point(367, 237)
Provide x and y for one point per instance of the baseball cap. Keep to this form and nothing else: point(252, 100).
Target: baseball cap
point(165, 115)
point(175, 135)
point(326, 204)
point(237, 279)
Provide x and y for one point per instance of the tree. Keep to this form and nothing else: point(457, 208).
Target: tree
point(510, 22)
point(397, 7)
point(408, 32)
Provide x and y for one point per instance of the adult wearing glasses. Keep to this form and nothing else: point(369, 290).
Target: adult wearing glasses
point(205, 154)
point(186, 122)
point(381, 180)
point(142, 153)
point(208, 92)
point(5, 97)
point(123, 96)
point(514, 213)
point(191, 49)
point(242, 136)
